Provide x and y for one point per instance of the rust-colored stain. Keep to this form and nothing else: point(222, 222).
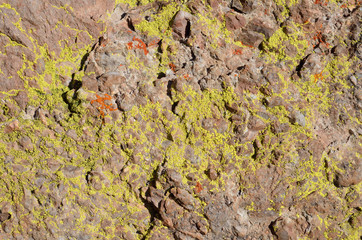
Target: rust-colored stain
point(101, 100)
point(198, 187)
point(172, 66)
point(237, 52)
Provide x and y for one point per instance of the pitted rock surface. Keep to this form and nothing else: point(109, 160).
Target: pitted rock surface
point(196, 119)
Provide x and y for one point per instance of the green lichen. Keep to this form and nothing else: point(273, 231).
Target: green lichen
point(286, 6)
point(215, 30)
point(129, 135)
point(274, 51)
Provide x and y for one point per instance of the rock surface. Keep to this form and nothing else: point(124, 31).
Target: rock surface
point(228, 119)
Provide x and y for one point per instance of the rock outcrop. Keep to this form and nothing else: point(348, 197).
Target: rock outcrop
point(229, 119)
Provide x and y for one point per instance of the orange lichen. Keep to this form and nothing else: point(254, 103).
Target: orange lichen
point(318, 76)
point(141, 45)
point(320, 2)
point(129, 45)
point(237, 52)
point(319, 38)
point(246, 45)
point(101, 100)
point(172, 66)
point(198, 187)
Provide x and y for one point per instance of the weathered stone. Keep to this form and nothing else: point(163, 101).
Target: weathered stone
point(4, 216)
point(256, 124)
point(184, 198)
point(234, 21)
point(21, 99)
point(244, 6)
point(351, 176)
point(181, 25)
point(26, 143)
point(250, 38)
point(71, 171)
point(212, 173)
point(153, 166)
point(284, 229)
point(258, 25)
point(298, 118)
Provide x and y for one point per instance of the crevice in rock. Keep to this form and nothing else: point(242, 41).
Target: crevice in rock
point(174, 105)
point(254, 156)
point(169, 88)
point(130, 24)
point(188, 29)
point(74, 84)
point(271, 228)
point(300, 65)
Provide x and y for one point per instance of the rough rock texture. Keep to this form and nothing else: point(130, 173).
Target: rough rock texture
point(200, 119)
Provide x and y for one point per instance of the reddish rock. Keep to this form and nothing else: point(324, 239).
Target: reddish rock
point(244, 6)
point(285, 228)
point(253, 182)
point(185, 199)
point(181, 25)
point(4, 216)
point(21, 99)
point(234, 21)
point(13, 126)
point(26, 143)
point(256, 124)
point(212, 173)
point(352, 175)
point(260, 26)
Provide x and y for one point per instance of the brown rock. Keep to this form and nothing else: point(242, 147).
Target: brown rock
point(39, 20)
point(256, 124)
point(90, 83)
point(260, 26)
point(13, 126)
point(181, 25)
point(71, 171)
point(26, 143)
point(211, 124)
point(351, 176)
point(354, 198)
point(41, 115)
point(285, 229)
point(212, 173)
point(250, 38)
point(183, 197)
point(110, 82)
point(235, 62)
point(356, 221)
point(155, 196)
point(276, 101)
point(245, 6)
point(234, 108)
point(358, 93)
point(170, 211)
point(174, 177)
point(234, 21)
point(4, 216)
point(21, 99)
